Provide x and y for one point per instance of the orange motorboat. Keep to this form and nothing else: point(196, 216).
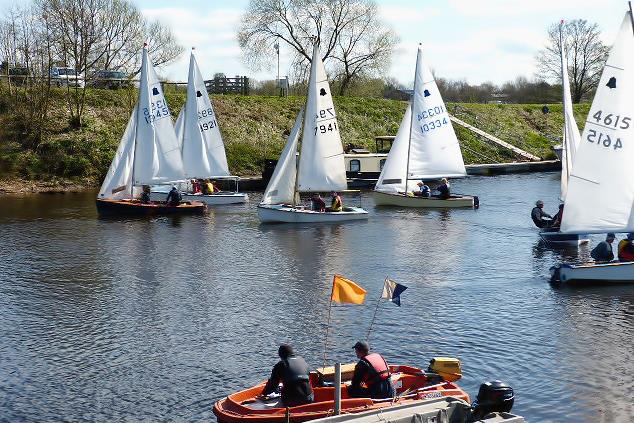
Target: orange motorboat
point(411, 384)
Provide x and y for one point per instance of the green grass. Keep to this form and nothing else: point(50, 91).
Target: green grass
point(254, 128)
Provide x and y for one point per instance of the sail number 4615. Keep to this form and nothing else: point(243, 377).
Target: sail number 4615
point(613, 121)
point(603, 139)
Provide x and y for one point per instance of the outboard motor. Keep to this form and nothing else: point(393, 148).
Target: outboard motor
point(492, 397)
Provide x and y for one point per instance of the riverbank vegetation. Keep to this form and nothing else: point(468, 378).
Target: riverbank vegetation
point(254, 128)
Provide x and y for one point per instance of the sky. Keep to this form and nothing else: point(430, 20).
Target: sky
point(473, 40)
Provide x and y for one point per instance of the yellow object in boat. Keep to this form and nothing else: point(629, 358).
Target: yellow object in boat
point(446, 367)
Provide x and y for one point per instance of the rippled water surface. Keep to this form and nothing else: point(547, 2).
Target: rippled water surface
point(156, 319)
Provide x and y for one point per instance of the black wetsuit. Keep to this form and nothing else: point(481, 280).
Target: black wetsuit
point(538, 215)
point(444, 191)
point(293, 373)
point(174, 197)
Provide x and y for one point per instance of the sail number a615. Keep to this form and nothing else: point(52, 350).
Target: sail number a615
point(612, 120)
point(604, 140)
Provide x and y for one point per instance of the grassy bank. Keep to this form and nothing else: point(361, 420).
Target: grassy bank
point(253, 128)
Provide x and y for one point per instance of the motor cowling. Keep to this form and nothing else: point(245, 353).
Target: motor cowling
point(495, 396)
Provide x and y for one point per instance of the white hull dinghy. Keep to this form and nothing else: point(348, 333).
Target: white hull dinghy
point(201, 144)
point(425, 148)
point(271, 213)
point(593, 273)
point(600, 196)
point(321, 166)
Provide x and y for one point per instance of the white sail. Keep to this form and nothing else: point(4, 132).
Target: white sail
point(434, 149)
point(601, 186)
point(203, 150)
point(392, 178)
point(281, 187)
point(571, 135)
point(157, 157)
point(118, 181)
point(321, 163)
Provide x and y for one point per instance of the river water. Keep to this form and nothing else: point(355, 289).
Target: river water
point(156, 319)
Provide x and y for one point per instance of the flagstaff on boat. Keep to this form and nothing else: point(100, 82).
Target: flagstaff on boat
point(425, 148)
point(202, 148)
point(148, 154)
point(600, 196)
point(321, 165)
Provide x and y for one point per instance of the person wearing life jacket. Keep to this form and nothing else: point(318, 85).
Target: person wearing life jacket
point(292, 371)
point(626, 248)
point(336, 205)
point(371, 377)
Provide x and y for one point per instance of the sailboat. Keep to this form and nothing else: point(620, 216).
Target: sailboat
point(148, 154)
point(600, 195)
point(425, 148)
point(321, 165)
point(570, 144)
point(202, 148)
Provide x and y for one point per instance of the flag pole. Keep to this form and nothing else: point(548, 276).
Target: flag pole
point(328, 324)
point(378, 301)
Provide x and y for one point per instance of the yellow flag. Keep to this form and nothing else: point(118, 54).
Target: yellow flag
point(346, 291)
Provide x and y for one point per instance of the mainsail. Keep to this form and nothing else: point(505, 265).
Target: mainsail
point(392, 177)
point(571, 136)
point(157, 157)
point(600, 194)
point(321, 163)
point(197, 129)
point(434, 149)
point(281, 187)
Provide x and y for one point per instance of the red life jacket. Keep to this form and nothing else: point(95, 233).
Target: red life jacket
point(378, 368)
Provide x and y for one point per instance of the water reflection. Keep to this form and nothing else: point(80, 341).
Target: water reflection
point(156, 318)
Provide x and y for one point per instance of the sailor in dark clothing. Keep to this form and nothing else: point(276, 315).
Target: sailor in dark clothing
point(603, 250)
point(174, 197)
point(444, 189)
point(145, 195)
point(292, 371)
point(541, 219)
point(371, 377)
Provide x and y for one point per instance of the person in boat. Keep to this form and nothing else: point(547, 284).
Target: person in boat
point(444, 189)
point(423, 190)
point(318, 203)
point(174, 197)
point(145, 194)
point(336, 204)
point(371, 377)
point(541, 219)
point(557, 217)
point(293, 372)
point(626, 248)
point(195, 186)
point(603, 250)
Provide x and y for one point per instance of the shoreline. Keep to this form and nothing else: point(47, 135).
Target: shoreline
point(18, 186)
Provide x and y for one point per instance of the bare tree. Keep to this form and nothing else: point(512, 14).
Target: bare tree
point(585, 51)
point(349, 33)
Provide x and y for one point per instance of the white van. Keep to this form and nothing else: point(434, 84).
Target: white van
point(63, 77)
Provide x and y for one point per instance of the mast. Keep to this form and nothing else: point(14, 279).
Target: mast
point(563, 99)
point(629, 4)
point(136, 124)
point(411, 124)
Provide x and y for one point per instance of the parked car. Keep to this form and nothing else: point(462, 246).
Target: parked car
point(18, 75)
point(110, 79)
point(63, 77)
